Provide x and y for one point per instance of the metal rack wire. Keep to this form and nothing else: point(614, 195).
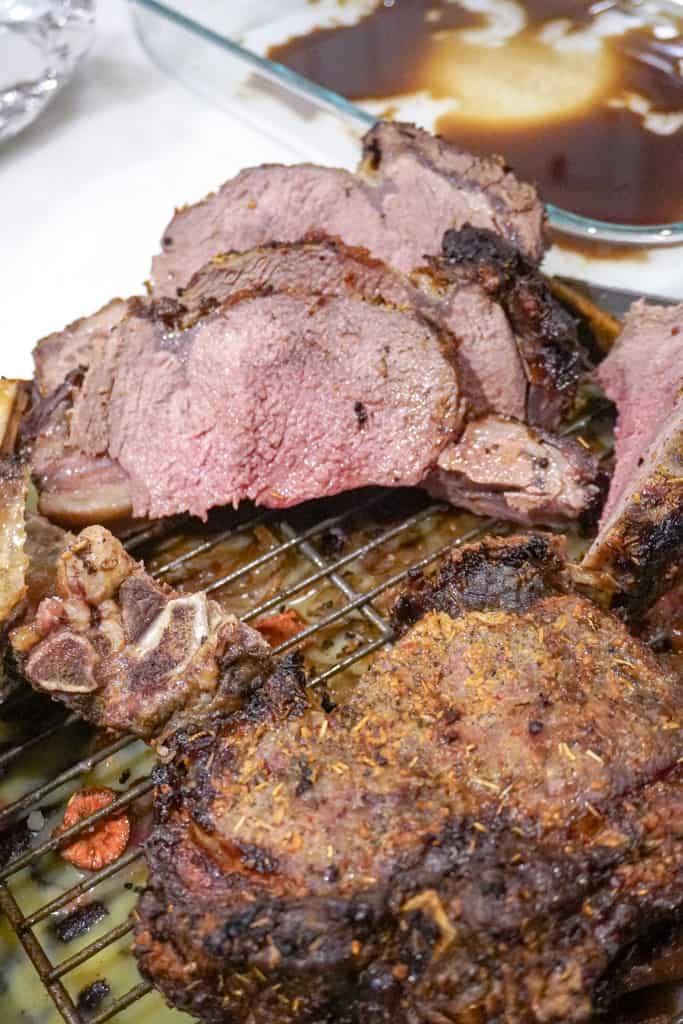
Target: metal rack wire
point(315, 568)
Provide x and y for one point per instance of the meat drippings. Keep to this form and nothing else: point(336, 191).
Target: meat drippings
point(580, 97)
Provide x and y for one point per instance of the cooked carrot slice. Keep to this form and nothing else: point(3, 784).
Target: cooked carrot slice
point(278, 628)
point(101, 843)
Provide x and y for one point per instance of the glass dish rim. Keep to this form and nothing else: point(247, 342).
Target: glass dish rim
point(562, 221)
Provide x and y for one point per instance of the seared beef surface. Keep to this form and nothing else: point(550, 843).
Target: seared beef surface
point(545, 334)
point(641, 532)
point(475, 834)
point(298, 371)
point(410, 187)
point(128, 653)
point(489, 575)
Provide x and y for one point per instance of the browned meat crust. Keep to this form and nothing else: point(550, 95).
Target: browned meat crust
point(475, 835)
point(641, 533)
point(492, 574)
point(128, 653)
point(317, 264)
point(642, 547)
point(545, 333)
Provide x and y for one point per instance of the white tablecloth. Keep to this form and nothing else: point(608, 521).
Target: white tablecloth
point(86, 191)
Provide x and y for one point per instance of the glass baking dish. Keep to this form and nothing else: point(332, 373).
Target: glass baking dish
point(200, 42)
point(312, 121)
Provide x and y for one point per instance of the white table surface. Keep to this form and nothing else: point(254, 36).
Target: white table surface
point(86, 191)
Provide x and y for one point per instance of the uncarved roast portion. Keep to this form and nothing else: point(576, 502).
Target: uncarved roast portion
point(475, 833)
point(410, 187)
point(641, 532)
point(469, 296)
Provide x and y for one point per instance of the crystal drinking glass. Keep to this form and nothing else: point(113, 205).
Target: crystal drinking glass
point(41, 42)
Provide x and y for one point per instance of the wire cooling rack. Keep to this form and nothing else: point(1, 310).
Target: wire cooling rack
point(336, 566)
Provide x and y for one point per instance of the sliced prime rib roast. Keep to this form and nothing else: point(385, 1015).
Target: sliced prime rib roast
point(417, 186)
point(516, 348)
point(298, 371)
point(640, 541)
point(276, 397)
point(409, 188)
point(477, 833)
point(513, 351)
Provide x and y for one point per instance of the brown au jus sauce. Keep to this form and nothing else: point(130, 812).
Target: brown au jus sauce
point(577, 121)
